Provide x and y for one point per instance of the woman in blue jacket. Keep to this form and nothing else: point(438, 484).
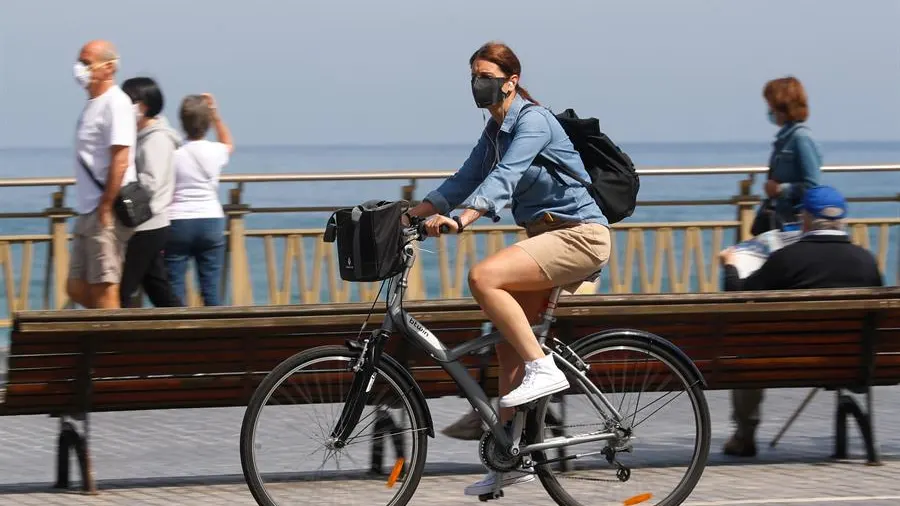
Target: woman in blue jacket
point(568, 236)
point(795, 162)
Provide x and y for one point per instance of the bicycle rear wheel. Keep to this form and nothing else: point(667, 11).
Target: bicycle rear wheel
point(665, 429)
point(287, 454)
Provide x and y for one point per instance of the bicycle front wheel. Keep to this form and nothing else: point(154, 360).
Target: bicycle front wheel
point(287, 453)
point(663, 427)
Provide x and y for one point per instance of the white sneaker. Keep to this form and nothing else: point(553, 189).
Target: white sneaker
point(542, 378)
point(487, 484)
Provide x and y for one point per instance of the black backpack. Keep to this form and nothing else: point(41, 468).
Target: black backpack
point(614, 182)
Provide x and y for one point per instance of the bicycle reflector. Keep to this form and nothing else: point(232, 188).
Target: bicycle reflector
point(637, 499)
point(395, 473)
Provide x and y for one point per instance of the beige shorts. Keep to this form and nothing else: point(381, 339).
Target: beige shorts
point(568, 252)
point(97, 252)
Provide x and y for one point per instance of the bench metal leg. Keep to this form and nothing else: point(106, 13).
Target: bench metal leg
point(793, 418)
point(847, 405)
point(71, 439)
point(66, 433)
point(385, 428)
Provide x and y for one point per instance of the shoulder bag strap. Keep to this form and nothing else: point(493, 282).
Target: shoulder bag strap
point(356, 216)
point(90, 173)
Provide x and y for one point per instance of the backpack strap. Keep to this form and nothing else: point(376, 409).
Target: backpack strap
point(552, 167)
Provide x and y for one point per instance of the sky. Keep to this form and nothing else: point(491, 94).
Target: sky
point(335, 72)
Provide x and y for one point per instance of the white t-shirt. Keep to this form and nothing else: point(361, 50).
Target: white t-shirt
point(106, 121)
point(198, 165)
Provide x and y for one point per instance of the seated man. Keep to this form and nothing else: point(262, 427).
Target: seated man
point(823, 257)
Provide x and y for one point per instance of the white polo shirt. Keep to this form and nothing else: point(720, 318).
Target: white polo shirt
point(105, 121)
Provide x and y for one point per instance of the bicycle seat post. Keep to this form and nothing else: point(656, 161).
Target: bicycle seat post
point(547, 316)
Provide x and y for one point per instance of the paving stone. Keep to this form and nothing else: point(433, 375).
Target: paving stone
point(192, 457)
point(722, 485)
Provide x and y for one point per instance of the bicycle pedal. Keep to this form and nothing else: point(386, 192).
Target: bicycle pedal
point(490, 496)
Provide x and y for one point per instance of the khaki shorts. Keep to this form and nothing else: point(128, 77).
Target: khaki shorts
point(569, 253)
point(97, 252)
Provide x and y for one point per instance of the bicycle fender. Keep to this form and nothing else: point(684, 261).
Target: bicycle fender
point(411, 387)
point(650, 338)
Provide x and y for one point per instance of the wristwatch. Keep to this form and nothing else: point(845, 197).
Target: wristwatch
point(459, 225)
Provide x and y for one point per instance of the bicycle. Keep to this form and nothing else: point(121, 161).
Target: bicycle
point(373, 374)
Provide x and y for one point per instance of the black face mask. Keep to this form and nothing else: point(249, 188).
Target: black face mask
point(488, 90)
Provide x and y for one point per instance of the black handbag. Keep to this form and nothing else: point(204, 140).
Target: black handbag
point(369, 240)
point(132, 205)
point(766, 219)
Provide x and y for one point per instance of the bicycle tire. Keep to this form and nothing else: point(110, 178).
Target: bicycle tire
point(273, 379)
point(594, 344)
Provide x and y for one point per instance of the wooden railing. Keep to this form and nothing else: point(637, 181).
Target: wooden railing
point(285, 266)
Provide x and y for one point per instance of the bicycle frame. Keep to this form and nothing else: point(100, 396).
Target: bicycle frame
point(400, 320)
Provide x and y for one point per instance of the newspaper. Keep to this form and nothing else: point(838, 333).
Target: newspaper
point(751, 254)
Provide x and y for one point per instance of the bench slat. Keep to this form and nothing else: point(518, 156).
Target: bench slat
point(738, 340)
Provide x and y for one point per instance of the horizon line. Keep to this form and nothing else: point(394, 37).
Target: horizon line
point(353, 145)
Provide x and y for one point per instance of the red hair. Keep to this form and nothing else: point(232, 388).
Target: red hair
point(787, 96)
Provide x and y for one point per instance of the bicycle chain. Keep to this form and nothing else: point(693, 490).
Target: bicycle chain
point(604, 480)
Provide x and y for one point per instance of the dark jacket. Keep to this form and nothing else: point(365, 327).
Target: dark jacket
point(817, 260)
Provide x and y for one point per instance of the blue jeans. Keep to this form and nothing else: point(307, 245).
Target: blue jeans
point(202, 239)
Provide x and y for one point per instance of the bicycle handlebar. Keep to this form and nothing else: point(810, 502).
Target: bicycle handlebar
point(417, 228)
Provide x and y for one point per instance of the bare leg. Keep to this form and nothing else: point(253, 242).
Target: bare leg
point(78, 291)
point(491, 281)
point(510, 287)
point(105, 296)
point(511, 364)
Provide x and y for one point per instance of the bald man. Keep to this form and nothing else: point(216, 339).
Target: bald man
point(104, 142)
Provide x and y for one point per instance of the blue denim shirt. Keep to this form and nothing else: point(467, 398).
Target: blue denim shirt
point(501, 169)
point(795, 163)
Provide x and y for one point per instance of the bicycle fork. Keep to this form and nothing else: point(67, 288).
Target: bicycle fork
point(370, 350)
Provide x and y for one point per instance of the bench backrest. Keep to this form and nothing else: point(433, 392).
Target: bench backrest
point(193, 357)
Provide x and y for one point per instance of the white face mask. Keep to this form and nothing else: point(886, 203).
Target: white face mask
point(82, 74)
point(138, 115)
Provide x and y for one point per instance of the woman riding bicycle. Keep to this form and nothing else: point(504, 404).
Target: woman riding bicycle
point(568, 236)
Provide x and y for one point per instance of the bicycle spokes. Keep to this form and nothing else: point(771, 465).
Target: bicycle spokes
point(290, 434)
point(652, 450)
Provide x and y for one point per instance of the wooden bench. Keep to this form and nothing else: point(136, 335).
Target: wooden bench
point(73, 363)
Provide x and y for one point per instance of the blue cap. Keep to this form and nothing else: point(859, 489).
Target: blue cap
point(825, 202)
